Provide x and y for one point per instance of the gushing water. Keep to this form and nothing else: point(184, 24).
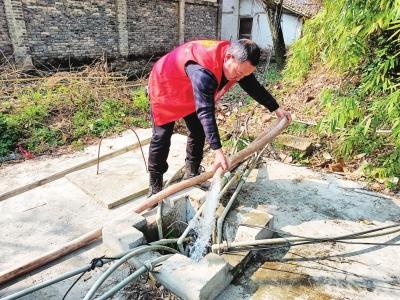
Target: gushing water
point(204, 225)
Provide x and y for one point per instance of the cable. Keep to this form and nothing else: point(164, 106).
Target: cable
point(126, 257)
point(355, 235)
point(93, 264)
point(337, 239)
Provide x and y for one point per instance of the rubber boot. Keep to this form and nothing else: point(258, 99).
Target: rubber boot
point(155, 184)
point(192, 169)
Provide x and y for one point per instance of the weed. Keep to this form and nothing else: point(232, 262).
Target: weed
point(360, 38)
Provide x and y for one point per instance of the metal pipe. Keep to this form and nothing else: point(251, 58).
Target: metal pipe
point(147, 267)
point(107, 273)
point(159, 219)
point(266, 137)
point(161, 204)
point(225, 246)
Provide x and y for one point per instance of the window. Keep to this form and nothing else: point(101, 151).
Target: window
point(245, 28)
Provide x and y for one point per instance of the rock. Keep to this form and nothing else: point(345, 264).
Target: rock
point(326, 156)
point(299, 143)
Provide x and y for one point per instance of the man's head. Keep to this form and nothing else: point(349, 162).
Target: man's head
point(241, 59)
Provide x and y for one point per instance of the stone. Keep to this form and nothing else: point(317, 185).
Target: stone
point(296, 142)
point(192, 280)
point(245, 224)
point(119, 235)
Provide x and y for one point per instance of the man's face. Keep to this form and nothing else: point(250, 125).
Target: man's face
point(236, 70)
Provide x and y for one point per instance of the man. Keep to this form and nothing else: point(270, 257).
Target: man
point(185, 83)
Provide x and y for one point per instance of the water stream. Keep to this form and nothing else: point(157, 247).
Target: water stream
point(204, 225)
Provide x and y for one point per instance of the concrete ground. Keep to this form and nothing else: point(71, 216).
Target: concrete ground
point(302, 201)
point(307, 203)
point(43, 218)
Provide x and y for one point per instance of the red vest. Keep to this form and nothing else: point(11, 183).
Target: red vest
point(170, 89)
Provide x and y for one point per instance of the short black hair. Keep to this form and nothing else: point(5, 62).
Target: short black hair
point(245, 49)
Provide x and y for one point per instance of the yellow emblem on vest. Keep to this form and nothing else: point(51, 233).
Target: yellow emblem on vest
point(207, 43)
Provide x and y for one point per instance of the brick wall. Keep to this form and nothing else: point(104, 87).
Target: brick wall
point(5, 42)
point(152, 27)
point(74, 32)
point(200, 21)
point(61, 31)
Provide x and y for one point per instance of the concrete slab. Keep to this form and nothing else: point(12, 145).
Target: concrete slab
point(307, 203)
point(124, 178)
point(45, 218)
point(192, 280)
point(248, 223)
point(17, 175)
point(120, 235)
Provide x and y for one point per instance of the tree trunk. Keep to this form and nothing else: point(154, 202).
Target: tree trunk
point(274, 13)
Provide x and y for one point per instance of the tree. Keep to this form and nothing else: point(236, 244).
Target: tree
point(274, 13)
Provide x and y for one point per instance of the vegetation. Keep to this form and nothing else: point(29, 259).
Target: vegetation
point(360, 40)
point(66, 109)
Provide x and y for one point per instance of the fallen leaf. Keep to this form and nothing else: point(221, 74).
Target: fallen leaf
point(337, 167)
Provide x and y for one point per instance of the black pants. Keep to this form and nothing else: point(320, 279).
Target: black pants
point(161, 141)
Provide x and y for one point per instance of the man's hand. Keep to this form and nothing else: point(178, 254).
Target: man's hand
point(220, 161)
point(280, 113)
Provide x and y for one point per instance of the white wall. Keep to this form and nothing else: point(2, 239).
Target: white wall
point(230, 19)
point(291, 25)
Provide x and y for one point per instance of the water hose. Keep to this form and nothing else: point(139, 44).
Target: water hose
point(79, 270)
point(226, 246)
point(110, 270)
point(147, 267)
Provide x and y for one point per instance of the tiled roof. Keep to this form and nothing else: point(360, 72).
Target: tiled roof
point(307, 8)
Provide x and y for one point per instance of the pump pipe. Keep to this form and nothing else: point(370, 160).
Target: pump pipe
point(242, 180)
point(267, 137)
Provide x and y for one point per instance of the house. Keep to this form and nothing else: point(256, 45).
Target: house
point(248, 19)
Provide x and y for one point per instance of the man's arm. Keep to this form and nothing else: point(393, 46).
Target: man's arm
point(204, 86)
point(255, 90)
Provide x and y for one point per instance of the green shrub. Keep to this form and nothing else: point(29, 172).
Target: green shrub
point(140, 100)
point(358, 38)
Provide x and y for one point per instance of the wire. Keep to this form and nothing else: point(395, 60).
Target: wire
point(93, 264)
point(338, 239)
point(361, 234)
